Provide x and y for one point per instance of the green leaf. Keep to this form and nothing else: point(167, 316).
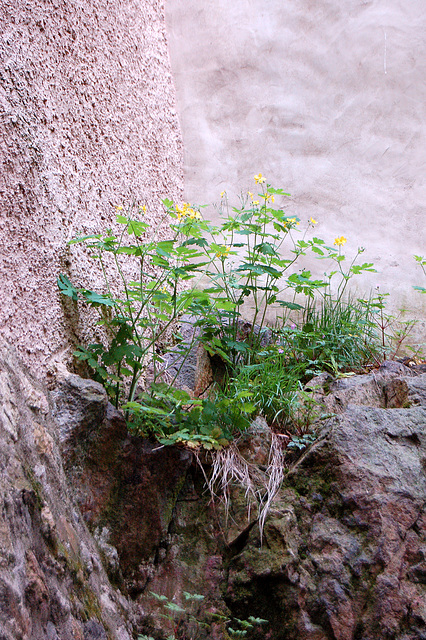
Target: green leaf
point(160, 262)
point(225, 304)
point(244, 623)
point(66, 287)
point(161, 598)
point(130, 250)
point(257, 620)
point(278, 192)
point(367, 266)
point(280, 227)
point(165, 247)
point(84, 239)
point(116, 353)
point(271, 271)
point(248, 407)
point(266, 248)
point(251, 268)
point(290, 305)
point(245, 393)
point(172, 606)
point(141, 408)
point(96, 299)
point(199, 242)
point(193, 596)
point(238, 346)
point(137, 228)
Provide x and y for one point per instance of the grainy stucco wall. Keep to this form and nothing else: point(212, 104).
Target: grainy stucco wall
point(88, 121)
point(326, 98)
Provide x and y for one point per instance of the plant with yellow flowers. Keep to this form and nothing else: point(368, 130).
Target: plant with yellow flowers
point(243, 266)
point(140, 314)
point(250, 262)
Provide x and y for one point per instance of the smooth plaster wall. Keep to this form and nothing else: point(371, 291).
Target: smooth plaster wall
point(325, 98)
point(88, 121)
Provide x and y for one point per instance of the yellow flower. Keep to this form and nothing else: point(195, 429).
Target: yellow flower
point(292, 221)
point(340, 241)
point(313, 221)
point(250, 194)
point(143, 208)
point(222, 193)
point(224, 251)
point(180, 212)
point(259, 179)
point(186, 211)
point(256, 202)
point(119, 207)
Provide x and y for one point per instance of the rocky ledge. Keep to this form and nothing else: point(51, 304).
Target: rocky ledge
point(93, 520)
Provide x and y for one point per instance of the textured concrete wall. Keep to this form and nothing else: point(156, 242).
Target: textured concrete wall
point(328, 100)
point(88, 122)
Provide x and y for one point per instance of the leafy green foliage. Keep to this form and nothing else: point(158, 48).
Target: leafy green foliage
point(139, 315)
point(173, 417)
point(191, 618)
point(249, 260)
point(422, 263)
point(334, 336)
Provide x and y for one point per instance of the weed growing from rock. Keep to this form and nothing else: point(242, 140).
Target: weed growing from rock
point(212, 273)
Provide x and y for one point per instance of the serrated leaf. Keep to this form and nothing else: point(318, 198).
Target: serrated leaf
point(172, 606)
point(257, 620)
point(161, 598)
point(137, 228)
point(266, 248)
point(66, 287)
point(96, 299)
point(193, 596)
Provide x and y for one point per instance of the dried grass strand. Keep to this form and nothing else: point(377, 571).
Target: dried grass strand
point(230, 468)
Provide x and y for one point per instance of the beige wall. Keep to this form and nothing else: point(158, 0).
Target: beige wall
point(88, 122)
point(328, 100)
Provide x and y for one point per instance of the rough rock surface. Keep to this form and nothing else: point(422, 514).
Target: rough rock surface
point(88, 122)
point(125, 487)
point(52, 582)
point(343, 549)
